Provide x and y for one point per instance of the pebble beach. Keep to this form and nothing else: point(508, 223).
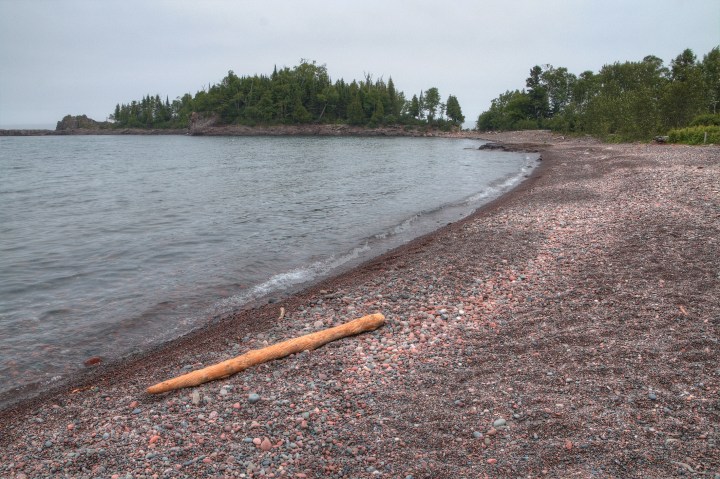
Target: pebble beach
point(569, 329)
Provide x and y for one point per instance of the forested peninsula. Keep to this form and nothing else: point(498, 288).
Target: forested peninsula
point(628, 101)
point(622, 102)
point(302, 95)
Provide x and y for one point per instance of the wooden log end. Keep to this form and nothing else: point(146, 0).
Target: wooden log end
point(157, 388)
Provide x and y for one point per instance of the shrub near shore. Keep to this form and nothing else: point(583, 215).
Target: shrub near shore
point(696, 135)
point(704, 129)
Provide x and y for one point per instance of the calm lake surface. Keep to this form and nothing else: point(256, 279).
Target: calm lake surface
point(109, 244)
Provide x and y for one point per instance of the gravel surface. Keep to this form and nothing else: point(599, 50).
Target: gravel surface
point(569, 329)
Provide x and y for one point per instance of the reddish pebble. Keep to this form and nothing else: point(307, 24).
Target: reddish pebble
point(154, 439)
point(134, 404)
point(70, 427)
point(492, 461)
point(257, 441)
point(236, 405)
point(568, 445)
point(92, 361)
point(266, 445)
point(207, 460)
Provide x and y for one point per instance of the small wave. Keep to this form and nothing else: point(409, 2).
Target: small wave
point(288, 280)
point(401, 227)
point(500, 186)
point(53, 313)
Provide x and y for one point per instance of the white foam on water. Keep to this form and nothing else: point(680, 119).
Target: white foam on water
point(289, 280)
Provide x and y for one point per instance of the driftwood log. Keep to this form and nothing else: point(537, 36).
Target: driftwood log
point(276, 351)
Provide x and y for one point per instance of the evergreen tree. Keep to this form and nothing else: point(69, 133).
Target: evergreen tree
point(414, 109)
point(394, 100)
point(378, 116)
point(356, 114)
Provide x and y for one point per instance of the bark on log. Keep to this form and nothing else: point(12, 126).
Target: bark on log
point(276, 351)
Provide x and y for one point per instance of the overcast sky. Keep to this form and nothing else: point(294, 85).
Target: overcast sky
point(61, 57)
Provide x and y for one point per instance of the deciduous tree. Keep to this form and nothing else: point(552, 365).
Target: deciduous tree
point(454, 112)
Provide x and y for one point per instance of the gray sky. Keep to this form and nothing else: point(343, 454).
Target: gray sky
point(61, 57)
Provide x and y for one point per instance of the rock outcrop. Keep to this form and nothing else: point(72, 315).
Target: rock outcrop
point(81, 122)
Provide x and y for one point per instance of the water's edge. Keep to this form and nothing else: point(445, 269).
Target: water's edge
point(286, 288)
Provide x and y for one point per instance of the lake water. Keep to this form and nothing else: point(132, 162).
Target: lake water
point(110, 244)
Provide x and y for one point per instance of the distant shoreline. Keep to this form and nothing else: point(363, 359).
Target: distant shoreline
point(123, 131)
point(325, 130)
point(240, 130)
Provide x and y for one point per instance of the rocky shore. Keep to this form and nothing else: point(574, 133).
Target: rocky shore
point(87, 132)
point(319, 130)
point(571, 328)
point(212, 129)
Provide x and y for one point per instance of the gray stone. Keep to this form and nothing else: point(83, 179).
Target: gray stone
point(253, 398)
point(499, 422)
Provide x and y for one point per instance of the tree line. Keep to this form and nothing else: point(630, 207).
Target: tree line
point(623, 101)
point(299, 95)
